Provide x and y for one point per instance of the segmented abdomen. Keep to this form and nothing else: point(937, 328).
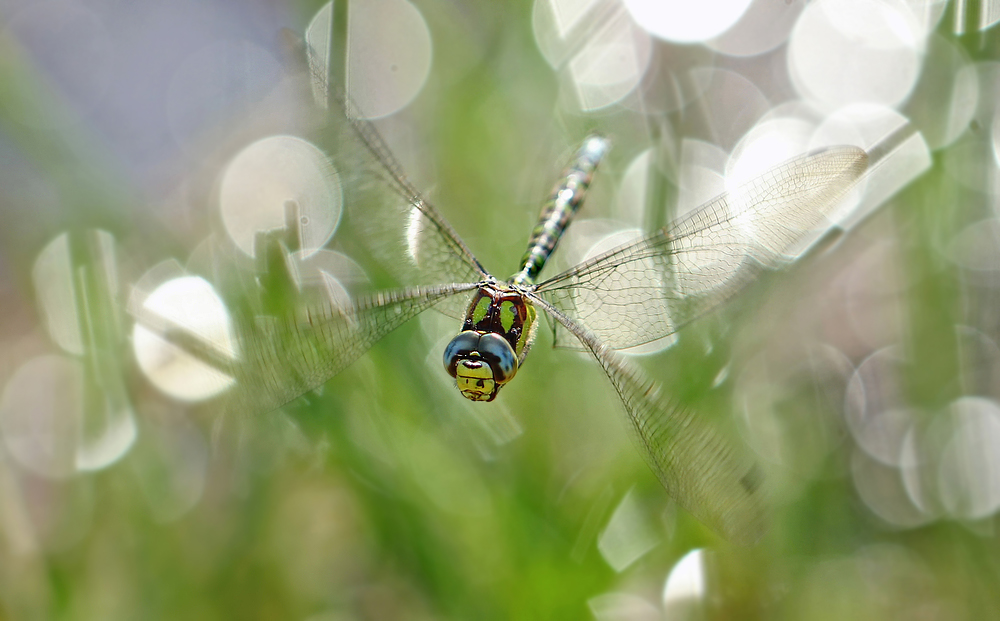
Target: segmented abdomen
point(560, 208)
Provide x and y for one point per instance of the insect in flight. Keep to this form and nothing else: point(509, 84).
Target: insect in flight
point(630, 295)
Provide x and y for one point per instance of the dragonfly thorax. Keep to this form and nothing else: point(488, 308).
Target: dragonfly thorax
point(497, 333)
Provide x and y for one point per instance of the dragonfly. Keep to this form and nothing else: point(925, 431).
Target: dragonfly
point(630, 295)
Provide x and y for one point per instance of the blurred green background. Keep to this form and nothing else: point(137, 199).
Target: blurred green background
point(865, 377)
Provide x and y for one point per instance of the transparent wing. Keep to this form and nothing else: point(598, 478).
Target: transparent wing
point(708, 475)
point(399, 227)
point(647, 289)
point(271, 359)
point(276, 336)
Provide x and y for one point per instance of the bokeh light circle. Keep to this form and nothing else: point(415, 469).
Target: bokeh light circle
point(281, 182)
point(191, 303)
point(40, 414)
point(389, 53)
point(686, 22)
point(842, 52)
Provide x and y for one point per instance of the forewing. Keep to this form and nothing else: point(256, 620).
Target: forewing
point(405, 233)
point(273, 359)
point(647, 289)
point(708, 475)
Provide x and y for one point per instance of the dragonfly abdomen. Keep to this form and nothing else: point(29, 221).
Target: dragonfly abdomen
point(559, 209)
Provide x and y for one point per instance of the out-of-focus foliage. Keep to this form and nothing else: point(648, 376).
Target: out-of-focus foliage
point(865, 378)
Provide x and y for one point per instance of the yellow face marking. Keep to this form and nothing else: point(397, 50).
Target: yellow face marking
point(474, 380)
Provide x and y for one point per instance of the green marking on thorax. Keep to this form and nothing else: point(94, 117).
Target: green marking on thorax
point(479, 313)
point(507, 315)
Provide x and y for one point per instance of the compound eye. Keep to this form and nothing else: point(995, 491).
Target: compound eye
point(462, 346)
point(500, 355)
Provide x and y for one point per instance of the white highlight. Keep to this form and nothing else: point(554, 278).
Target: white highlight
point(682, 21)
point(189, 302)
point(628, 536)
point(685, 589)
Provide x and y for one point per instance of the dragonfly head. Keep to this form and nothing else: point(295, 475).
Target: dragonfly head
point(481, 363)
